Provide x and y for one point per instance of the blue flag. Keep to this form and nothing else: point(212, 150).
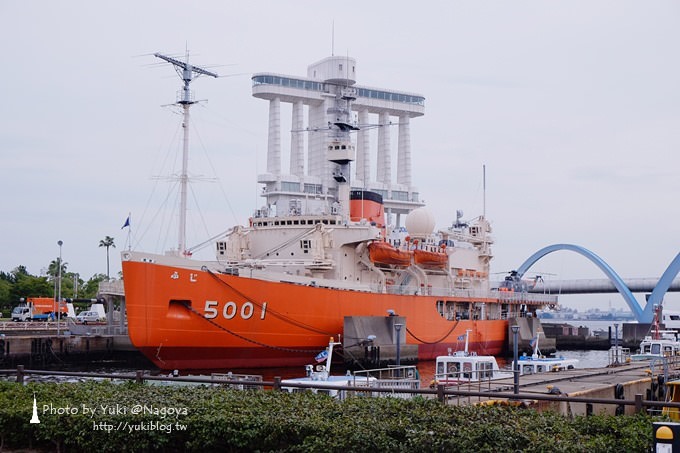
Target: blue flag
point(533, 341)
point(127, 223)
point(461, 338)
point(320, 357)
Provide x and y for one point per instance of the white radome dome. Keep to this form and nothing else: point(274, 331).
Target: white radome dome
point(419, 223)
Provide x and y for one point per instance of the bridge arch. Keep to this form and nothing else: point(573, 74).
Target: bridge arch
point(656, 298)
point(628, 296)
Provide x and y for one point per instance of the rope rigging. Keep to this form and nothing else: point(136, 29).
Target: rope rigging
point(249, 340)
point(291, 321)
point(274, 313)
point(436, 341)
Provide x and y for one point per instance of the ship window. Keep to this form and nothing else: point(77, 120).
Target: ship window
point(306, 245)
point(312, 188)
point(343, 147)
point(400, 195)
point(288, 186)
point(467, 370)
point(485, 370)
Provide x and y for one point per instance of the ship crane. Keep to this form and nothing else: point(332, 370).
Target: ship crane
point(187, 72)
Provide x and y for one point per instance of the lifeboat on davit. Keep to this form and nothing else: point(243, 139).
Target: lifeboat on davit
point(383, 253)
point(430, 259)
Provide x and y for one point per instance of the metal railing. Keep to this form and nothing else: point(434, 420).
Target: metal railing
point(440, 392)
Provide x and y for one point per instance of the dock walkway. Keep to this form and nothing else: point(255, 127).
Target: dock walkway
point(614, 382)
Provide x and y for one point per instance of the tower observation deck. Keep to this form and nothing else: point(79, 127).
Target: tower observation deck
point(373, 110)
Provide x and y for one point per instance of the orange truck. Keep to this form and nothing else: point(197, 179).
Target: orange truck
point(38, 309)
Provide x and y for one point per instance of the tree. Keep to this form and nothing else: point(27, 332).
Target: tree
point(90, 288)
point(29, 286)
point(53, 268)
point(107, 242)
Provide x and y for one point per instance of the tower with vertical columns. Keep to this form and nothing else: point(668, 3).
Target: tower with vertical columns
point(320, 98)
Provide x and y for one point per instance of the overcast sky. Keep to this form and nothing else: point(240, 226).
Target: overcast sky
point(573, 106)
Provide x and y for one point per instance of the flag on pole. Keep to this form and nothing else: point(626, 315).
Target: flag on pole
point(323, 355)
point(461, 338)
point(533, 341)
point(127, 223)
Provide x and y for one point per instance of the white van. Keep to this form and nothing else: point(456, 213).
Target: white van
point(87, 316)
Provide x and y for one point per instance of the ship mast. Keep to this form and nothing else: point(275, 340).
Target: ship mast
point(185, 99)
point(340, 148)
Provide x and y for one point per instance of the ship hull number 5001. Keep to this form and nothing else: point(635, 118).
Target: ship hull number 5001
point(231, 310)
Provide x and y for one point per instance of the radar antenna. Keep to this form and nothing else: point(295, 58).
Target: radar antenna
point(186, 71)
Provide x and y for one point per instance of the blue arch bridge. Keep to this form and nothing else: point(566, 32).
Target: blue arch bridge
point(613, 283)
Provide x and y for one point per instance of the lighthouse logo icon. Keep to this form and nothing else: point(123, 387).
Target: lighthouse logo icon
point(34, 418)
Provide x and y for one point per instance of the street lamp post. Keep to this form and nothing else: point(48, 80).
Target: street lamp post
point(397, 327)
point(59, 243)
point(616, 343)
point(515, 363)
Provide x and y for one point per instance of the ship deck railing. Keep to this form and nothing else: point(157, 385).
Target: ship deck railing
point(504, 296)
point(404, 377)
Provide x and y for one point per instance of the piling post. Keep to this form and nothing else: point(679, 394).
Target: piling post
point(277, 384)
point(20, 374)
point(515, 363)
point(638, 403)
point(440, 392)
point(138, 377)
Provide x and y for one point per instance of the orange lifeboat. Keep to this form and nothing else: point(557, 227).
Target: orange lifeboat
point(384, 253)
point(430, 259)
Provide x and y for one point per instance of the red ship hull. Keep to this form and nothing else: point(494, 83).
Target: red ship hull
point(190, 319)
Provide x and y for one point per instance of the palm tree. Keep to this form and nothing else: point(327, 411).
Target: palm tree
point(53, 268)
point(107, 242)
point(53, 271)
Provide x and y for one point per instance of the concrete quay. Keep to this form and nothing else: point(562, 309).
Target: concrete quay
point(620, 382)
point(41, 344)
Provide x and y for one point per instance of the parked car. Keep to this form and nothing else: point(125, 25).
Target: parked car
point(87, 316)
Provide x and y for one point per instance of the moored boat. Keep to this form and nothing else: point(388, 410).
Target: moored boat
point(464, 367)
point(281, 285)
point(659, 343)
point(318, 379)
point(538, 363)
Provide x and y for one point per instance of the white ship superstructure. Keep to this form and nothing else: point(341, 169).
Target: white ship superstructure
point(370, 111)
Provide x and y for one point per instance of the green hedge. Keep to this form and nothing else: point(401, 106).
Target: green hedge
point(217, 419)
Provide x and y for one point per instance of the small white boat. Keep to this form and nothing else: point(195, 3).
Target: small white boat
point(463, 367)
point(659, 344)
point(319, 380)
point(537, 363)
point(662, 343)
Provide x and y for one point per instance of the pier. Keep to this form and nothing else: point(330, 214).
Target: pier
point(40, 344)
